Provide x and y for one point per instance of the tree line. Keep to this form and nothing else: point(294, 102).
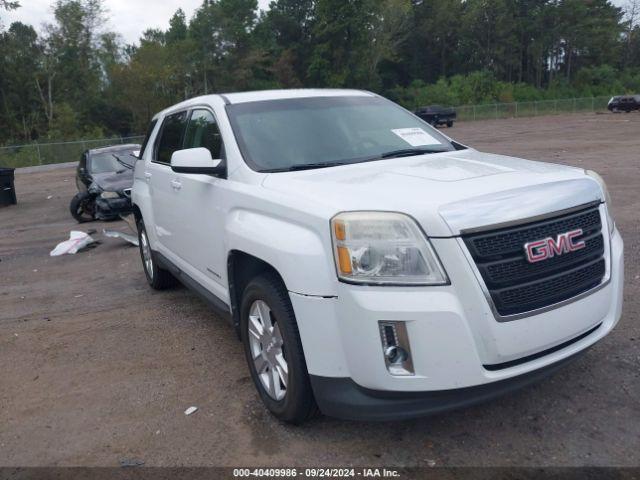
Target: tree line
point(75, 78)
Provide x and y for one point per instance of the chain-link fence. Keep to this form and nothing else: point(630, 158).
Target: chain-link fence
point(532, 109)
point(46, 153)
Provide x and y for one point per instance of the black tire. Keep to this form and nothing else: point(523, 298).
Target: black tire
point(449, 123)
point(158, 278)
point(83, 207)
point(298, 403)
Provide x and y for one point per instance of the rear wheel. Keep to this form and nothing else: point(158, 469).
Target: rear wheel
point(158, 278)
point(83, 207)
point(273, 350)
point(449, 123)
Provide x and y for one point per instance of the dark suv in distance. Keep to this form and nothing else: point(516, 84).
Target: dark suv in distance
point(437, 115)
point(624, 103)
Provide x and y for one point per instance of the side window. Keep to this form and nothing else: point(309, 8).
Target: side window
point(146, 138)
point(171, 136)
point(203, 131)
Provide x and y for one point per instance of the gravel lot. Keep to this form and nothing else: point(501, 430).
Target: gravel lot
point(97, 368)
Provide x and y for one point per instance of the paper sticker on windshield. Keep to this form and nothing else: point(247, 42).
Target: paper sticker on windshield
point(416, 137)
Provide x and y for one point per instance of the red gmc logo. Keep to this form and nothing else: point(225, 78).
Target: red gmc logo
point(550, 247)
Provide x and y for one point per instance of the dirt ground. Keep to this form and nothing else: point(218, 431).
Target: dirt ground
point(96, 368)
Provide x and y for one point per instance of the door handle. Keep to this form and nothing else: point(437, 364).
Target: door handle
point(176, 185)
point(147, 176)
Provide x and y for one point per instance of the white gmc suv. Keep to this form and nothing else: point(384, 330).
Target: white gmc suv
point(373, 267)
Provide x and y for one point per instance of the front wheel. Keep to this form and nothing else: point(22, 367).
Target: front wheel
point(274, 351)
point(83, 207)
point(449, 123)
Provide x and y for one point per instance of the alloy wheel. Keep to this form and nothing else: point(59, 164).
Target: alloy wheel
point(267, 350)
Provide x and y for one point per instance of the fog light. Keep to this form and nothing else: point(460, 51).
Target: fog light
point(395, 347)
point(396, 355)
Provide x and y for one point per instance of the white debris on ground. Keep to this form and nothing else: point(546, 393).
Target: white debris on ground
point(190, 410)
point(77, 241)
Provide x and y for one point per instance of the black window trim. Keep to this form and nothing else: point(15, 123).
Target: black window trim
point(189, 111)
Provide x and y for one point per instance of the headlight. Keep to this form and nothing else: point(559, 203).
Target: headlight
point(607, 197)
point(107, 195)
point(384, 248)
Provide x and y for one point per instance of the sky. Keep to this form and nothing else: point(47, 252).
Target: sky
point(127, 17)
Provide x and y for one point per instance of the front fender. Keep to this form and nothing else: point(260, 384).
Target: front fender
point(299, 253)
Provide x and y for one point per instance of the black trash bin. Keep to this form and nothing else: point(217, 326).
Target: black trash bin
point(7, 187)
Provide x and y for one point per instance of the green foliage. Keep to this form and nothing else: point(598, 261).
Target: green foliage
point(64, 124)
point(482, 87)
point(77, 79)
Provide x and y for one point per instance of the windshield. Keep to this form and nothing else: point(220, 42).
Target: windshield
point(278, 135)
point(107, 162)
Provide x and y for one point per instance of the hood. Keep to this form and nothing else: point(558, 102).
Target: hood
point(114, 182)
point(446, 192)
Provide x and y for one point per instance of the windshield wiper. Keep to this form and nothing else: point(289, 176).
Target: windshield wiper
point(122, 162)
point(405, 152)
point(307, 166)
point(408, 152)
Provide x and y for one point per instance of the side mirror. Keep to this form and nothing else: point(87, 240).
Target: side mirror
point(196, 160)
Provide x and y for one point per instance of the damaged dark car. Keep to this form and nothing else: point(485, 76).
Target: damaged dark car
point(104, 178)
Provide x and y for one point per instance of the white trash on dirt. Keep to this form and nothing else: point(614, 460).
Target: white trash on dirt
point(190, 410)
point(77, 241)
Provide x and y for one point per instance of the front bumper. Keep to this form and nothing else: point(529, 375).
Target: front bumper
point(343, 398)
point(456, 341)
point(112, 208)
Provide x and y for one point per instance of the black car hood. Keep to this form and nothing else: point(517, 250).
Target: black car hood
point(114, 182)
